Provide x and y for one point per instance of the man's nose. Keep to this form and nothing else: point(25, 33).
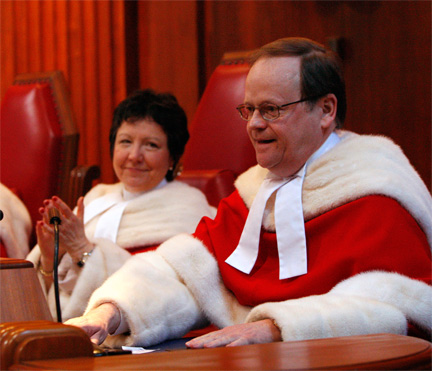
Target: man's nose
point(257, 121)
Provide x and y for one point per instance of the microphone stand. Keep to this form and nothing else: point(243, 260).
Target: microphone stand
point(56, 221)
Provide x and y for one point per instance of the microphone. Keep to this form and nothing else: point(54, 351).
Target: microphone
point(1, 215)
point(54, 216)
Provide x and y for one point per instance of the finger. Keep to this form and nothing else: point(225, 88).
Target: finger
point(39, 224)
point(44, 228)
point(199, 341)
point(236, 343)
point(219, 342)
point(43, 211)
point(97, 338)
point(62, 207)
point(80, 208)
point(212, 340)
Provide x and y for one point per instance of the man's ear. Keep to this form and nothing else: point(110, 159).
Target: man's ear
point(328, 105)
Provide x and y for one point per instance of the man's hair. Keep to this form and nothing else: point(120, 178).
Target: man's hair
point(163, 109)
point(320, 69)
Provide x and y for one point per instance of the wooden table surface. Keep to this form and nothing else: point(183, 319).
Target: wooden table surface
point(381, 351)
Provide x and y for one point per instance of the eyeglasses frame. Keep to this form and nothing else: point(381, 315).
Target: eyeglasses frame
point(239, 107)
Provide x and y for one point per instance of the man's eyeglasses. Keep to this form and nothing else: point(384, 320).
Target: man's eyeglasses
point(268, 111)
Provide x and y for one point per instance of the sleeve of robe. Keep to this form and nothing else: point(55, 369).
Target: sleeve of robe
point(183, 277)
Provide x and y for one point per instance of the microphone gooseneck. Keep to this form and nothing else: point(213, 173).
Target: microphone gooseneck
point(54, 216)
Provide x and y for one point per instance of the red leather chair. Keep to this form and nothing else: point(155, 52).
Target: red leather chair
point(39, 142)
point(219, 148)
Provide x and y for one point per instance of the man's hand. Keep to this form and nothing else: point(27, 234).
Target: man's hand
point(99, 322)
point(247, 333)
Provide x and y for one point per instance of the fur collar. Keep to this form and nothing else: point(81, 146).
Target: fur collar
point(358, 166)
point(157, 215)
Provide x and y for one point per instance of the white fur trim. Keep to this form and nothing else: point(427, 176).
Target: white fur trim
point(15, 228)
point(148, 220)
point(163, 307)
point(358, 166)
point(367, 303)
point(200, 272)
point(105, 259)
point(157, 215)
point(412, 297)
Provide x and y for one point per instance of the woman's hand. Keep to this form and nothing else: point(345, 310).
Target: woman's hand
point(72, 234)
point(99, 322)
point(45, 240)
point(263, 331)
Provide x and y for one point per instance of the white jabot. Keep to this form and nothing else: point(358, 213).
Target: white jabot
point(111, 206)
point(289, 222)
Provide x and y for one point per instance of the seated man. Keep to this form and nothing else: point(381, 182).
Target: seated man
point(329, 235)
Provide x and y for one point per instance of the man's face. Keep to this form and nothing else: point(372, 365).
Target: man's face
point(282, 145)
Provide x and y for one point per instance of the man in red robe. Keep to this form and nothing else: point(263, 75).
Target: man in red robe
point(329, 235)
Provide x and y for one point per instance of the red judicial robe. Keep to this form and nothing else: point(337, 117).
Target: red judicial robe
point(371, 233)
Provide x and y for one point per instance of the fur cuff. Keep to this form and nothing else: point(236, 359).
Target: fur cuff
point(200, 272)
point(367, 303)
point(107, 258)
point(154, 302)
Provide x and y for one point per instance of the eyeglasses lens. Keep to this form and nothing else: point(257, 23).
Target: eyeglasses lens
point(267, 111)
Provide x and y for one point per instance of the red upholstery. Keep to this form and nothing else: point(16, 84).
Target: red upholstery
point(3, 253)
point(215, 184)
point(218, 134)
point(39, 142)
point(219, 148)
point(31, 144)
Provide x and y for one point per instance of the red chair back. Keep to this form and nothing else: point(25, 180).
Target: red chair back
point(218, 134)
point(39, 139)
point(219, 148)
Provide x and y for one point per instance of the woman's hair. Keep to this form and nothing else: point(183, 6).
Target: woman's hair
point(320, 69)
point(163, 109)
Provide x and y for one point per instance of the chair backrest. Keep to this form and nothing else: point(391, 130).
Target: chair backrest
point(39, 139)
point(218, 135)
point(219, 148)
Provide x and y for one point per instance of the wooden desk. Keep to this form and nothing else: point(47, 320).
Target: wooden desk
point(382, 351)
point(22, 298)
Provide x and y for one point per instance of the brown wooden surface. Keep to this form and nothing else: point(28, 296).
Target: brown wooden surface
point(382, 351)
point(11, 263)
point(21, 295)
point(33, 340)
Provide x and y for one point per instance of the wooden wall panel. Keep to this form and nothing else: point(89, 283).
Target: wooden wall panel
point(168, 49)
point(387, 64)
point(84, 39)
point(108, 48)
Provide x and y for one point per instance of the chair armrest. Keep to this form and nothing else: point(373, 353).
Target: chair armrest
point(81, 181)
point(216, 184)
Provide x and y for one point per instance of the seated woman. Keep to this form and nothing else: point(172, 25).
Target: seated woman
point(147, 139)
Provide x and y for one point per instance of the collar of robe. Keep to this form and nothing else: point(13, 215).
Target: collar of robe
point(289, 222)
point(110, 207)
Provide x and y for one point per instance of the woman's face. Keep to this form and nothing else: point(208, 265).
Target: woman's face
point(141, 157)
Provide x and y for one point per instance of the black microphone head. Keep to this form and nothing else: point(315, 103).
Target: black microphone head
point(1, 215)
point(54, 216)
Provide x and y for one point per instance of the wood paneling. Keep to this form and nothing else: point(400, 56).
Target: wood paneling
point(108, 48)
point(387, 63)
point(84, 39)
point(168, 49)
